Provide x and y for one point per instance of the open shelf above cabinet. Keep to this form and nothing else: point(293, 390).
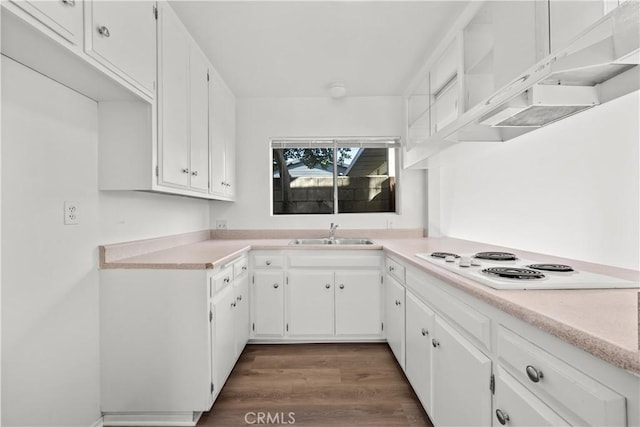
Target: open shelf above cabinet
point(506, 80)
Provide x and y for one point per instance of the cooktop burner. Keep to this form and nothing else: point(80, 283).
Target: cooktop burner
point(514, 273)
point(444, 255)
point(551, 267)
point(496, 256)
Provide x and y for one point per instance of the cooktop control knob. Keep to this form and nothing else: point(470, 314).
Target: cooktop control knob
point(465, 261)
point(449, 258)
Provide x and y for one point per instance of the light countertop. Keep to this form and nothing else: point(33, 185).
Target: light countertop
point(603, 322)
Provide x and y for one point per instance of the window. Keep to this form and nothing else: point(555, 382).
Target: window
point(332, 176)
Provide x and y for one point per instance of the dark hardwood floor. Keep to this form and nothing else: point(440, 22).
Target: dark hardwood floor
point(316, 385)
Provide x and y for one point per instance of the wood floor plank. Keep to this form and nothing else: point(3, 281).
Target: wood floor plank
point(317, 385)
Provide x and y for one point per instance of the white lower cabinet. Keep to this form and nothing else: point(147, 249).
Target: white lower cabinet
point(268, 304)
point(461, 376)
point(394, 318)
point(310, 303)
point(420, 321)
point(169, 339)
point(517, 406)
point(358, 302)
point(317, 295)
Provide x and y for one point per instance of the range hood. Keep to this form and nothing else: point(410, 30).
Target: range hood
point(541, 105)
point(599, 65)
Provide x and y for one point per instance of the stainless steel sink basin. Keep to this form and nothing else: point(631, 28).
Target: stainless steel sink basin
point(338, 241)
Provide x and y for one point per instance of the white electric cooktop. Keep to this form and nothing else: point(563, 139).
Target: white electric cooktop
point(504, 270)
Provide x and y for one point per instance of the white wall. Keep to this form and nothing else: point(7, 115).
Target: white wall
point(50, 339)
point(259, 119)
point(569, 189)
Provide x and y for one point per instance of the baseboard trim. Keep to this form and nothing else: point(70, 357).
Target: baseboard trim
point(99, 422)
point(152, 419)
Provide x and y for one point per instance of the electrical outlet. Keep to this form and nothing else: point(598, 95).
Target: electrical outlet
point(221, 224)
point(71, 213)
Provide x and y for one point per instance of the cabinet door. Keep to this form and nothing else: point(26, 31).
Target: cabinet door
point(418, 358)
point(224, 353)
point(230, 146)
point(122, 36)
point(569, 18)
point(173, 92)
point(64, 17)
point(310, 303)
point(218, 131)
point(358, 303)
point(394, 318)
point(268, 304)
point(242, 320)
point(199, 119)
point(461, 376)
point(520, 407)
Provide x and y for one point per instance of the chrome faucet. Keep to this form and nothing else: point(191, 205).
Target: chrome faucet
point(332, 231)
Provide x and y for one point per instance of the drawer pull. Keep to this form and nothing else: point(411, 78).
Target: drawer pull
point(435, 343)
point(227, 280)
point(424, 332)
point(233, 304)
point(327, 286)
point(341, 286)
point(69, 2)
point(391, 269)
point(244, 268)
point(268, 262)
point(534, 374)
point(502, 417)
point(239, 298)
point(275, 285)
point(104, 31)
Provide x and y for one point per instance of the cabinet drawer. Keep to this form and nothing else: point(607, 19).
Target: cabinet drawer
point(268, 261)
point(334, 261)
point(222, 278)
point(240, 267)
point(519, 406)
point(396, 270)
point(578, 397)
point(468, 318)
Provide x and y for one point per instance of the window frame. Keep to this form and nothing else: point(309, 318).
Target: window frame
point(335, 143)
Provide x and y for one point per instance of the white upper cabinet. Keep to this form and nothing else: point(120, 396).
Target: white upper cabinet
point(223, 136)
point(121, 35)
point(63, 17)
point(199, 120)
point(173, 100)
point(183, 107)
point(569, 18)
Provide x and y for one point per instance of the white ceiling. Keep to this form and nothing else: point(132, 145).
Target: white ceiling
point(298, 48)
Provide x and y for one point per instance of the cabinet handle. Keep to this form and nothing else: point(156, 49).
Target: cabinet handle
point(341, 286)
point(227, 280)
point(244, 268)
point(233, 304)
point(185, 170)
point(71, 3)
point(194, 173)
point(103, 31)
point(268, 262)
point(502, 417)
point(424, 332)
point(327, 286)
point(275, 285)
point(223, 183)
point(533, 374)
point(239, 298)
point(435, 343)
point(391, 269)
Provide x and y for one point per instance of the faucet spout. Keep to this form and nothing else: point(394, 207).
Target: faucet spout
point(332, 231)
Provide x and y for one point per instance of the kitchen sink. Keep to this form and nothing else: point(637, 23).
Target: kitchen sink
point(338, 241)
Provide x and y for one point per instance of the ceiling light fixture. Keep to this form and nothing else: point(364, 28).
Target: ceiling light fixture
point(337, 90)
